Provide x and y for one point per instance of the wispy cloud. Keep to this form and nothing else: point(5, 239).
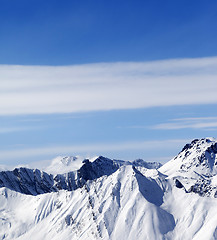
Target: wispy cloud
point(16, 129)
point(97, 148)
point(195, 123)
point(106, 86)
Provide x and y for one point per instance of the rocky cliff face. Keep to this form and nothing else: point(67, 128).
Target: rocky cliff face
point(27, 181)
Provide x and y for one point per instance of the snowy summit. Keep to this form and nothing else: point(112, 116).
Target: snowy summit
point(114, 199)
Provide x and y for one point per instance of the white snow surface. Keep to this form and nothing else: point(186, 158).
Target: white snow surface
point(132, 202)
point(66, 164)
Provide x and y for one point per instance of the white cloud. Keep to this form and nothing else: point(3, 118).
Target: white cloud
point(106, 86)
point(16, 129)
point(195, 123)
point(93, 148)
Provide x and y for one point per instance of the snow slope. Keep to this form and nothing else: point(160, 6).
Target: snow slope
point(66, 164)
point(195, 167)
point(116, 200)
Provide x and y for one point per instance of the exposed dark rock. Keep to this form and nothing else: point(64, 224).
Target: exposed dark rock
point(178, 184)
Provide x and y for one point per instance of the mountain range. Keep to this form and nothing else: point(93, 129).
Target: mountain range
point(101, 198)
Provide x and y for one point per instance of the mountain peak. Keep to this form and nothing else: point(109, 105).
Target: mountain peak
point(198, 156)
point(195, 167)
point(203, 142)
point(61, 165)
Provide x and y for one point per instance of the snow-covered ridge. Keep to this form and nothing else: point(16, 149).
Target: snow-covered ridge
point(67, 164)
point(195, 167)
point(199, 156)
point(34, 181)
point(113, 199)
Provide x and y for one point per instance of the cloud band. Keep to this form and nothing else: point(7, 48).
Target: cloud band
point(106, 86)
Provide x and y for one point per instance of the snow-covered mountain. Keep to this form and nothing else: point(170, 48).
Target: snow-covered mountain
point(114, 199)
point(34, 181)
point(195, 167)
point(60, 165)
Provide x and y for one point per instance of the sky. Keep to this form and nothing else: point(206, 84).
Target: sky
point(123, 79)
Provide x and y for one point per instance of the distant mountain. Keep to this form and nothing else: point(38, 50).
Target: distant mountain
point(114, 199)
point(34, 181)
point(65, 164)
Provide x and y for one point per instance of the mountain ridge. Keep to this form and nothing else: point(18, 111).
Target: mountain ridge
point(113, 199)
point(195, 167)
point(35, 181)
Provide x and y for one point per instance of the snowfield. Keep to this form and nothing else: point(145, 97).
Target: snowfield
point(113, 199)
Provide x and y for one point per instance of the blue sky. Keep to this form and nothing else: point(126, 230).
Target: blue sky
point(53, 32)
point(125, 79)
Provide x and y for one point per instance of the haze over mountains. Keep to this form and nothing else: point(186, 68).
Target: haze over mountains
point(100, 198)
